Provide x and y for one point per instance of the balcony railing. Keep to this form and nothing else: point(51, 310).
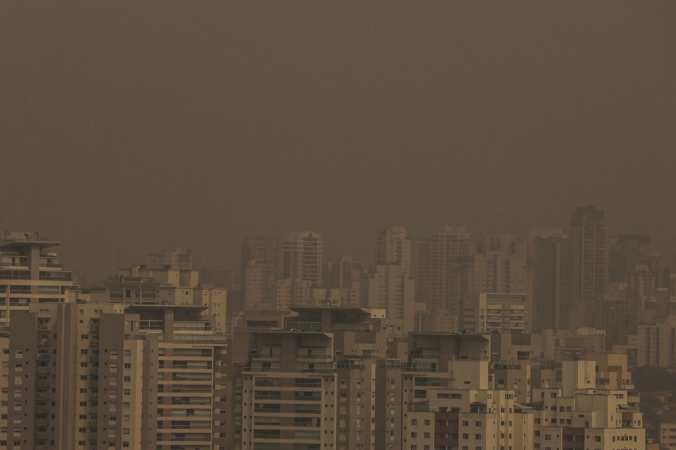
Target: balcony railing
point(352, 327)
point(201, 338)
point(303, 326)
point(151, 324)
point(56, 276)
point(193, 325)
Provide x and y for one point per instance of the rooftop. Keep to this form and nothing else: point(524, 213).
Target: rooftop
point(19, 239)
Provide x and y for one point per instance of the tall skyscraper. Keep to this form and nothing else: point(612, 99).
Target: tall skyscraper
point(394, 247)
point(551, 281)
point(440, 280)
point(589, 260)
point(303, 257)
point(259, 273)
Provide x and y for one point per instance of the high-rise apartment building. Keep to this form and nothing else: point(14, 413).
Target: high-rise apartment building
point(302, 257)
point(392, 289)
point(589, 261)
point(143, 285)
point(301, 269)
point(500, 266)
point(394, 247)
point(550, 262)
point(30, 273)
point(656, 344)
point(158, 377)
point(177, 258)
point(440, 283)
point(91, 376)
point(497, 313)
point(311, 385)
point(259, 273)
point(626, 253)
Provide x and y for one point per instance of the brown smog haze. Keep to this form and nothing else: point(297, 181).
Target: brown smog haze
point(126, 127)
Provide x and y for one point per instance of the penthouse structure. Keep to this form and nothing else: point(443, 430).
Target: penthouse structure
point(30, 273)
point(311, 385)
point(167, 285)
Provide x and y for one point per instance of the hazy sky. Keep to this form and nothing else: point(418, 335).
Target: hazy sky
point(126, 127)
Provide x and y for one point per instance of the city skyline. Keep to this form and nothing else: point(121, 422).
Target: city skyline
point(338, 225)
point(366, 253)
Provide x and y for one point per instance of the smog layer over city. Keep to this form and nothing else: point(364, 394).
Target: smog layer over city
point(338, 225)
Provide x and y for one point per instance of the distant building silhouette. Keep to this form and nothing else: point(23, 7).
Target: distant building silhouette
point(589, 261)
point(394, 247)
point(259, 273)
point(440, 283)
point(550, 260)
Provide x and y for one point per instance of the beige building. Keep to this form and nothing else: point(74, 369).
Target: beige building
point(656, 344)
point(310, 385)
point(439, 320)
point(302, 257)
point(30, 273)
point(440, 282)
point(392, 289)
point(497, 313)
point(394, 247)
point(177, 258)
point(292, 292)
point(667, 435)
point(259, 263)
point(578, 343)
point(113, 376)
point(4, 385)
point(144, 285)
